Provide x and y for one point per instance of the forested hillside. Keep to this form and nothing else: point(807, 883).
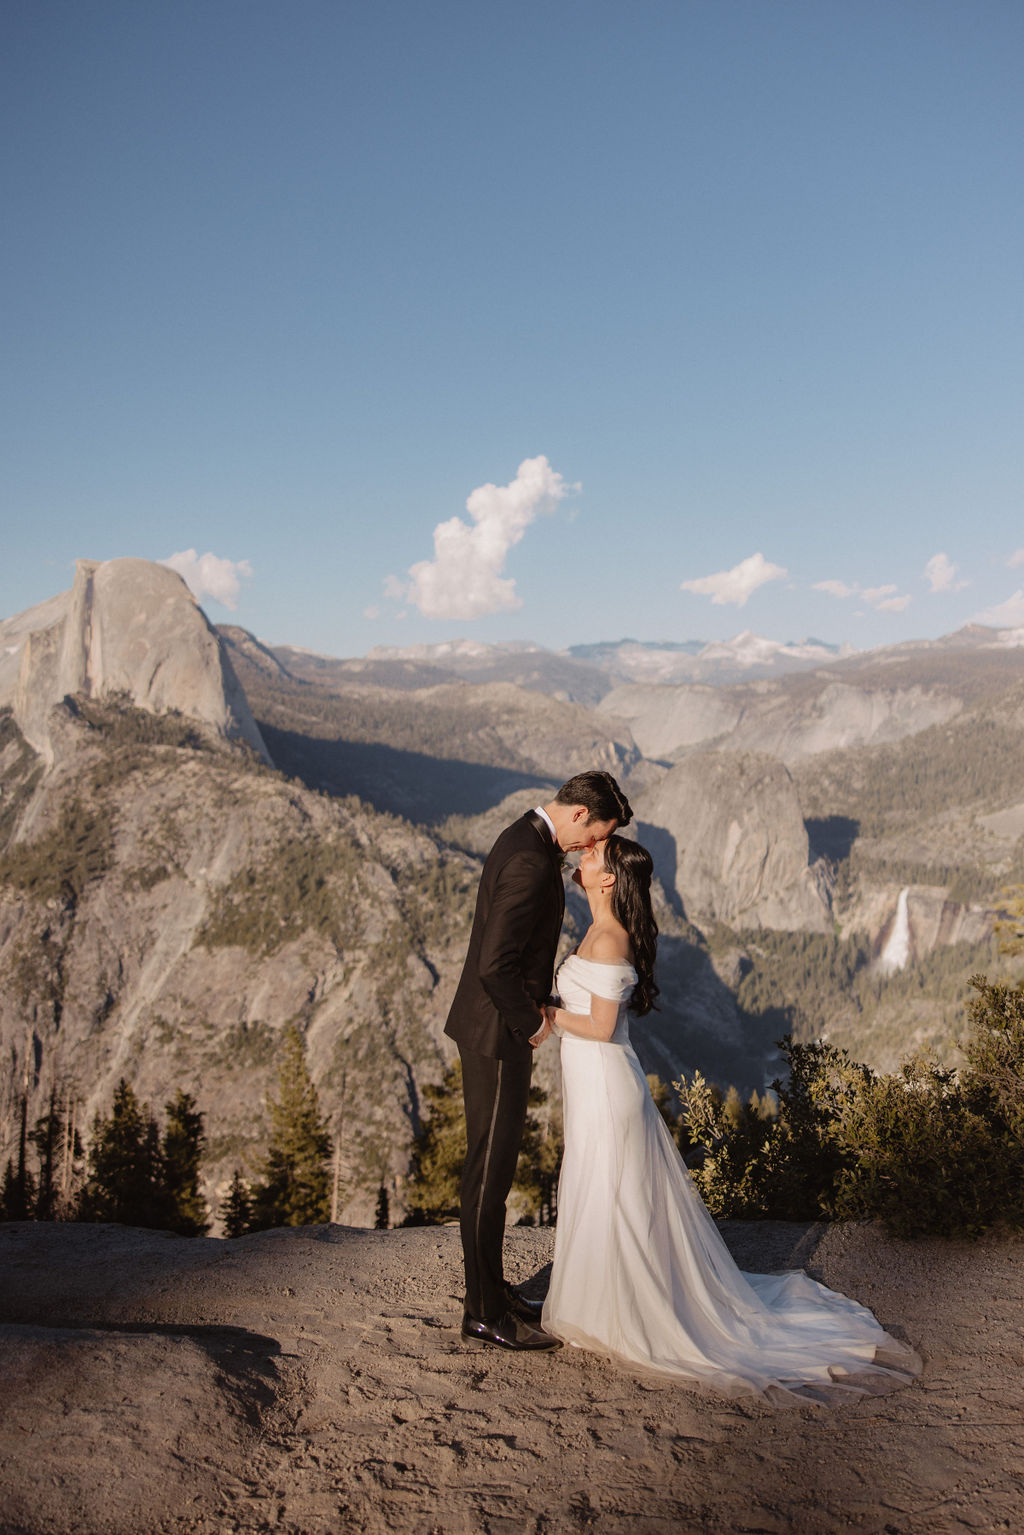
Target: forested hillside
point(173, 908)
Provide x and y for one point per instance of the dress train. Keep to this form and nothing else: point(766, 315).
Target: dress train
point(641, 1273)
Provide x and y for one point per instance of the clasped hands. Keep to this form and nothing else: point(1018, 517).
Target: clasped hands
point(548, 1011)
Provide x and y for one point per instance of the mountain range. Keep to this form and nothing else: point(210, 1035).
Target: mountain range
point(204, 838)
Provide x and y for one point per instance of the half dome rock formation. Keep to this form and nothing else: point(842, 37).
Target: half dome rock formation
point(727, 833)
point(128, 628)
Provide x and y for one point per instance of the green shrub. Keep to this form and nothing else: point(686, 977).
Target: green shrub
point(761, 1163)
point(927, 1150)
point(919, 1156)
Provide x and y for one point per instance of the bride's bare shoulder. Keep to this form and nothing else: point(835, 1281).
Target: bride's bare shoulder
point(609, 946)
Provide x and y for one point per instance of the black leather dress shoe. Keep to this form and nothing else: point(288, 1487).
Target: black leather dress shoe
point(521, 1306)
point(511, 1332)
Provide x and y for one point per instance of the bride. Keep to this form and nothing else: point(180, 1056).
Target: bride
point(640, 1271)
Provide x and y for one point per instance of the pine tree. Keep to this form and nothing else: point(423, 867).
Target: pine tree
point(59, 1147)
point(17, 1199)
point(183, 1146)
point(383, 1217)
point(295, 1187)
point(540, 1158)
point(125, 1183)
point(439, 1150)
point(47, 1137)
point(237, 1207)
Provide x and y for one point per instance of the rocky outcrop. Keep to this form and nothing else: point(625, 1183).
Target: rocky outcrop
point(313, 1380)
point(923, 915)
point(790, 720)
point(728, 836)
point(167, 911)
point(663, 719)
point(129, 629)
point(556, 738)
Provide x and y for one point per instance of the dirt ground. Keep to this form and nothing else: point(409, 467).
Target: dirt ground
point(314, 1382)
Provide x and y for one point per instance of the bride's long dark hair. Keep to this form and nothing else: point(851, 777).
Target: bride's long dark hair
point(633, 866)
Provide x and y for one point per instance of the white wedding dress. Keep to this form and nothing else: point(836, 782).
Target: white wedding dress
point(640, 1271)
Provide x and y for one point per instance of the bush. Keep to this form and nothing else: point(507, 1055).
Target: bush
point(927, 1150)
point(766, 1163)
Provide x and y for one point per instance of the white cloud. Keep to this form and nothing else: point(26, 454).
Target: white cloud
point(1016, 558)
point(737, 584)
point(835, 588)
point(883, 600)
point(1006, 615)
point(892, 604)
point(207, 575)
point(373, 611)
point(464, 579)
point(940, 573)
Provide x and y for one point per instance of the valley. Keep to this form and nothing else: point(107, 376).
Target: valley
point(204, 839)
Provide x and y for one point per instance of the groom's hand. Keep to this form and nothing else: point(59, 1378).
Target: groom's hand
point(543, 1032)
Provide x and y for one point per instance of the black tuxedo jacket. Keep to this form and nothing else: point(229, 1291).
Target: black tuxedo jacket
point(511, 958)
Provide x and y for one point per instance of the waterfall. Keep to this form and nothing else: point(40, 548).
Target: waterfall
point(896, 952)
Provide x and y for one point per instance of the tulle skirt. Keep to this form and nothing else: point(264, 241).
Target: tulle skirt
point(642, 1275)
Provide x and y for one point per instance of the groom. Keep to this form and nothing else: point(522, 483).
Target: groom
point(497, 1022)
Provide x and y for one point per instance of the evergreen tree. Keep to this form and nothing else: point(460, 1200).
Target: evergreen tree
point(183, 1146)
point(125, 1182)
point(439, 1150)
point(6, 1192)
point(59, 1147)
point(47, 1137)
point(17, 1198)
point(294, 1189)
point(540, 1157)
point(383, 1217)
point(237, 1207)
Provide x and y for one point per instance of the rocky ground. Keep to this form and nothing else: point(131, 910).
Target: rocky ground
point(313, 1381)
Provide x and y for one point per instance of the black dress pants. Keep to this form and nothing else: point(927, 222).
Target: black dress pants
point(496, 1095)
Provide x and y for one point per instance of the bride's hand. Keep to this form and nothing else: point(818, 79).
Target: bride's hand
point(544, 1030)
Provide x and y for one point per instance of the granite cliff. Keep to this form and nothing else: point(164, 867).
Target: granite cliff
point(169, 902)
point(129, 629)
point(728, 835)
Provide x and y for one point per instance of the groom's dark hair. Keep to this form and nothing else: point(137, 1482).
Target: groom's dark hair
point(599, 794)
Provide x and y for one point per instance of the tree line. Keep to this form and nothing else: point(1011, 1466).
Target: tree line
point(927, 1149)
point(139, 1173)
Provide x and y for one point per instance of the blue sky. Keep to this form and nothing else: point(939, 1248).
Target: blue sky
point(737, 281)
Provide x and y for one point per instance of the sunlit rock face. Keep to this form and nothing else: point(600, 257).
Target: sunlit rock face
point(775, 718)
point(131, 629)
point(727, 833)
point(924, 918)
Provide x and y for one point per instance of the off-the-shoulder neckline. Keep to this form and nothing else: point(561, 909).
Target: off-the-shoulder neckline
point(612, 964)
